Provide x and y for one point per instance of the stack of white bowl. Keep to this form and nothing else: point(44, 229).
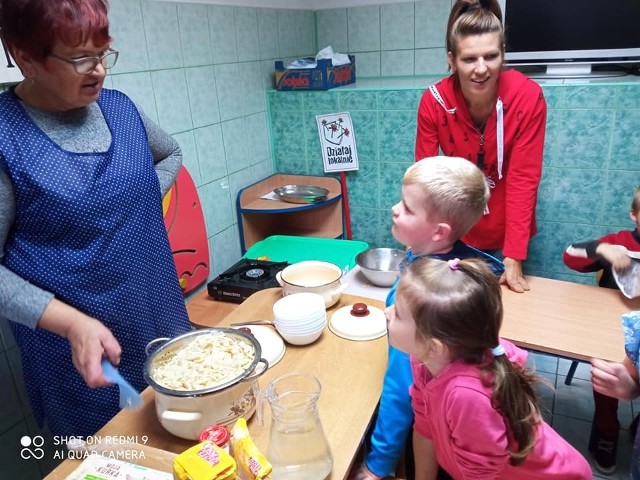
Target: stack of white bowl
point(300, 318)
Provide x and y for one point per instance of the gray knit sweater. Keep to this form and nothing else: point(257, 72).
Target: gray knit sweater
point(83, 130)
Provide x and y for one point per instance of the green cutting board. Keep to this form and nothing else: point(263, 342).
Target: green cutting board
point(293, 249)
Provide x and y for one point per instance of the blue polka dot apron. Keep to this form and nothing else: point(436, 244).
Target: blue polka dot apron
point(88, 228)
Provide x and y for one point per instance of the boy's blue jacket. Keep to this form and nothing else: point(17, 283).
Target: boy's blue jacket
point(395, 413)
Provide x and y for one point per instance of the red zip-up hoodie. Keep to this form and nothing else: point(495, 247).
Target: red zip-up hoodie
point(447, 125)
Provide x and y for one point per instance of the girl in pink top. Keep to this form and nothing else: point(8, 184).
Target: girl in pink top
point(476, 412)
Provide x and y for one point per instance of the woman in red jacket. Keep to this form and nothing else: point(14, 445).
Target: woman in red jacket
point(496, 119)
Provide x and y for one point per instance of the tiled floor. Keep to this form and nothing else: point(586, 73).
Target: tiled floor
point(569, 409)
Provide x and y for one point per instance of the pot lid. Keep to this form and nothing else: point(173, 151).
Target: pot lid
point(358, 322)
point(273, 347)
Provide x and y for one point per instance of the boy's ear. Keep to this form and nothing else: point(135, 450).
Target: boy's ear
point(442, 233)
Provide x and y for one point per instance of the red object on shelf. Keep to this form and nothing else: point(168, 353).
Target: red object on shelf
point(184, 221)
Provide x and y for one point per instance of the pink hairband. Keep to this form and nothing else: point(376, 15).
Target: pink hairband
point(454, 263)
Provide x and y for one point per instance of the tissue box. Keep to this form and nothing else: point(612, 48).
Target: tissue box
point(323, 77)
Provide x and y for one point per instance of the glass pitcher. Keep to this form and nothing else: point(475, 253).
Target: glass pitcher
point(298, 448)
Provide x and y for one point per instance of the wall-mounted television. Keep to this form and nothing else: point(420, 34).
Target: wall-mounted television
point(572, 38)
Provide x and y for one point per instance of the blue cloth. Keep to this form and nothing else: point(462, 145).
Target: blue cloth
point(89, 228)
point(395, 413)
point(631, 328)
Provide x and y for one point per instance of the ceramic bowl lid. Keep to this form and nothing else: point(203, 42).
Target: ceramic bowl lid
point(359, 322)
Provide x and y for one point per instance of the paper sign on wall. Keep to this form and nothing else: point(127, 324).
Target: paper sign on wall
point(338, 142)
point(9, 71)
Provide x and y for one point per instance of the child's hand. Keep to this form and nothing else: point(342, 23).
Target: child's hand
point(613, 380)
point(361, 472)
point(616, 255)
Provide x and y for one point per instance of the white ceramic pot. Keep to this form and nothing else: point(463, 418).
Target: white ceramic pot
point(187, 417)
point(313, 276)
point(187, 413)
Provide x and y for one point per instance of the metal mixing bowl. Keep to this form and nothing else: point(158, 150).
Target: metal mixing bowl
point(381, 266)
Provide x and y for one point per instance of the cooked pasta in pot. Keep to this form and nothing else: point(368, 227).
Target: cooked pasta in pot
point(206, 361)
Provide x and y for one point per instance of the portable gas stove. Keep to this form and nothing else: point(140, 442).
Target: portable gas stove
point(244, 279)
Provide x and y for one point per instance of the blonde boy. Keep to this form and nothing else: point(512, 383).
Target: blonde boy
point(442, 198)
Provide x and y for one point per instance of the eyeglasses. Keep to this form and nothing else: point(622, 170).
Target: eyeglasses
point(86, 65)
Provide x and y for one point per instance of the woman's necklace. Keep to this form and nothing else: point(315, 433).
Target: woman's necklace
point(480, 124)
point(480, 118)
point(480, 113)
point(480, 121)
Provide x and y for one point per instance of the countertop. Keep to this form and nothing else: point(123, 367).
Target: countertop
point(359, 285)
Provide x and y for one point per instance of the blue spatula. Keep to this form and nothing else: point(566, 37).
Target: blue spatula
point(129, 396)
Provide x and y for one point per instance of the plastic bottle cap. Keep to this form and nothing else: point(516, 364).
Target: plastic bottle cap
point(218, 434)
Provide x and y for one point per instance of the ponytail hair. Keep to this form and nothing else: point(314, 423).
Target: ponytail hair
point(515, 398)
point(473, 17)
point(459, 303)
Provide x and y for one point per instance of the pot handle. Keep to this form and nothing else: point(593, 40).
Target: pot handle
point(333, 295)
point(176, 416)
point(154, 342)
point(256, 373)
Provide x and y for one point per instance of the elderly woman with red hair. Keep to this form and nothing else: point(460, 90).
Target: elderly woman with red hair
point(84, 255)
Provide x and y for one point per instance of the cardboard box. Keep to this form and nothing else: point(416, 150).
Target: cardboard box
point(98, 467)
point(323, 77)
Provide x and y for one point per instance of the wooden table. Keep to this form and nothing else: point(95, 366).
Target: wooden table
point(351, 375)
point(205, 311)
point(567, 319)
point(562, 318)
